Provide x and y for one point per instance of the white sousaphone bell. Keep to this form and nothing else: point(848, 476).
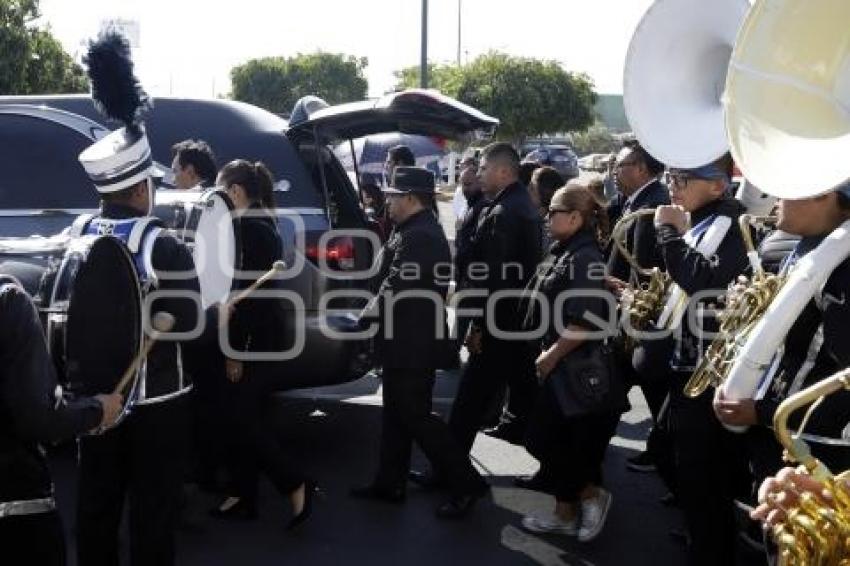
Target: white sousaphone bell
point(787, 101)
point(674, 78)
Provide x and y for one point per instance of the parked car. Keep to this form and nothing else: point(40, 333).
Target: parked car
point(561, 157)
point(43, 187)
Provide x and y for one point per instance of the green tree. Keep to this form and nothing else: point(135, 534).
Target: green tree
point(32, 61)
point(276, 83)
point(596, 139)
point(531, 97)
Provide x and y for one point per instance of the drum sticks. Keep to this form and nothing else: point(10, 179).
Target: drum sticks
point(277, 267)
point(162, 322)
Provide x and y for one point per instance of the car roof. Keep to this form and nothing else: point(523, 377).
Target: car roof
point(234, 130)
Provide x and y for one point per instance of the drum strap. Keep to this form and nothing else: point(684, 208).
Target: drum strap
point(80, 224)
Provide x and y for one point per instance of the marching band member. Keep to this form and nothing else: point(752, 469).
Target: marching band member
point(637, 176)
point(143, 457)
point(31, 413)
point(816, 346)
point(706, 257)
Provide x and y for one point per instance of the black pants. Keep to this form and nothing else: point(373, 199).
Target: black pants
point(33, 539)
point(570, 451)
point(407, 417)
point(252, 444)
point(206, 365)
point(711, 470)
point(142, 459)
point(484, 378)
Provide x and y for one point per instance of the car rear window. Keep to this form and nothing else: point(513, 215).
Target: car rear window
point(39, 166)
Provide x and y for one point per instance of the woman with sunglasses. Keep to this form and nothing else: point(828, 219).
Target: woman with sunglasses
point(571, 445)
point(254, 326)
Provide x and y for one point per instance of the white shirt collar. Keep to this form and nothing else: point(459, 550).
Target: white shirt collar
point(635, 194)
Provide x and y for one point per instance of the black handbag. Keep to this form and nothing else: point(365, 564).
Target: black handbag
point(586, 382)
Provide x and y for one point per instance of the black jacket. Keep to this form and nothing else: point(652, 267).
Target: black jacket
point(571, 266)
point(507, 242)
point(29, 411)
point(831, 314)
point(640, 236)
point(257, 323)
point(465, 236)
point(411, 260)
point(168, 255)
point(695, 273)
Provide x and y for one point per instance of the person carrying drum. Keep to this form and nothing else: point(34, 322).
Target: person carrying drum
point(31, 412)
point(142, 458)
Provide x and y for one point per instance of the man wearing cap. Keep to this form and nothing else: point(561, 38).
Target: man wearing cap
point(816, 346)
point(701, 258)
point(32, 411)
point(141, 459)
point(412, 342)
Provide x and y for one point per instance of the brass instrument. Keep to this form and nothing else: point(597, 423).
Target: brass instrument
point(643, 301)
point(739, 316)
point(816, 530)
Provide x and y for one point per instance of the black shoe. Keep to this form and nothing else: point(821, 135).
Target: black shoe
point(668, 500)
point(643, 462)
point(428, 481)
point(374, 492)
point(242, 510)
point(534, 483)
point(512, 432)
point(457, 507)
point(311, 490)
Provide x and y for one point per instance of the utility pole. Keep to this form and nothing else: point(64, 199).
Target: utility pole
point(423, 64)
point(459, 4)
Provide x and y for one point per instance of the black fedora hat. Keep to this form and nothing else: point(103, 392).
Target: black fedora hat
point(411, 180)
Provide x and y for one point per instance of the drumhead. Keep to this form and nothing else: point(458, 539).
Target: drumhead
point(98, 287)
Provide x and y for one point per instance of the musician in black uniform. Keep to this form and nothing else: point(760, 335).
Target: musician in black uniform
point(142, 459)
point(412, 344)
point(639, 188)
point(707, 458)
point(256, 326)
point(816, 346)
point(32, 411)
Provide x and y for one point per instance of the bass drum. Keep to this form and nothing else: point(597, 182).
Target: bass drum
point(34, 262)
point(204, 221)
point(95, 317)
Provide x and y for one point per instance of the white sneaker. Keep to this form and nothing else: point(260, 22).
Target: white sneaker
point(550, 524)
point(594, 511)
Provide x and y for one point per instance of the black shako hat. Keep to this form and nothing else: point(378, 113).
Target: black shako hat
point(411, 180)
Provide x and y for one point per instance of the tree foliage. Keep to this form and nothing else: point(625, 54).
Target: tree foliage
point(531, 97)
point(32, 61)
point(596, 139)
point(276, 83)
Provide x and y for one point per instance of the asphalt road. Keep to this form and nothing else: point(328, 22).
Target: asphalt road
point(334, 432)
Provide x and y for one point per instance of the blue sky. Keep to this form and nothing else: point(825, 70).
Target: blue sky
point(187, 47)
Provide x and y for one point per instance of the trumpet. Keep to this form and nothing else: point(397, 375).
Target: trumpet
point(739, 316)
point(643, 301)
point(815, 530)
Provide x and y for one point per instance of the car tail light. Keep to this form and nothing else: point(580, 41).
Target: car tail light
point(338, 253)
